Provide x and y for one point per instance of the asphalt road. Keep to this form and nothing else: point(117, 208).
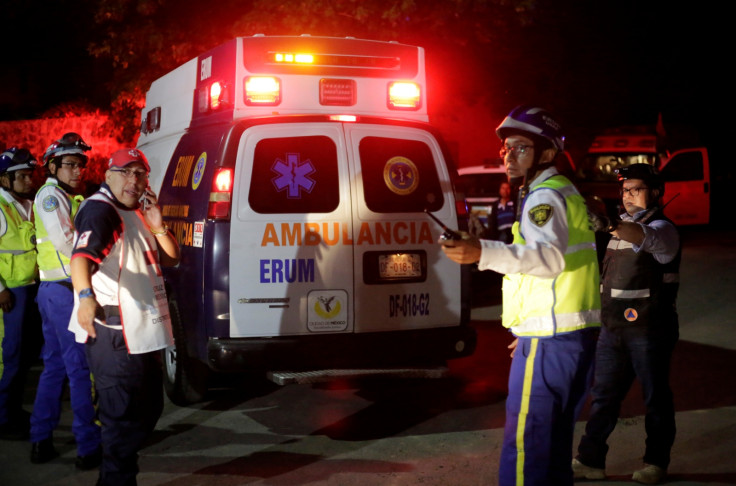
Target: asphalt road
point(444, 432)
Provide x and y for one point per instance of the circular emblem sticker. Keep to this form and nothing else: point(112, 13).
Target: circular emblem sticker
point(631, 315)
point(50, 203)
point(401, 175)
point(199, 170)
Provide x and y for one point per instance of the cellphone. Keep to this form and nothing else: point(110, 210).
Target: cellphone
point(144, 199)
point(448, 234)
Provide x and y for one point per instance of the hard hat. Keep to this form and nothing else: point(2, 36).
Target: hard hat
point(535, 121)
point(16, 159)
point(645, 172)
point(69, 144)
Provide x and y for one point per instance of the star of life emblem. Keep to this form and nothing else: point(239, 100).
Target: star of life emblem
point(293, 176)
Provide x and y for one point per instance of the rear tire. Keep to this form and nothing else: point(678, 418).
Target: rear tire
point(185, 377)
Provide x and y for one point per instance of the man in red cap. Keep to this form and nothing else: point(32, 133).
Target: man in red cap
point(121, 308)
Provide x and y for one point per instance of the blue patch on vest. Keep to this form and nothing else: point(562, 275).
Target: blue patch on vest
point(50, 203)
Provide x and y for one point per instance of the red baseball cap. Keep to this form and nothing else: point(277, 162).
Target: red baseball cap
point(123, 157)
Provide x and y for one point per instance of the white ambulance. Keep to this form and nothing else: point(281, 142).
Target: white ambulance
point(294, 172)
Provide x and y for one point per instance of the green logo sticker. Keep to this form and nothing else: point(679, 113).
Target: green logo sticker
point(540, 214)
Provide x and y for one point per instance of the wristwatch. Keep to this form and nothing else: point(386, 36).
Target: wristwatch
point(88, 292)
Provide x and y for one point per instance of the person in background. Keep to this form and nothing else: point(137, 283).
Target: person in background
point(551, 302)
point(122, 311)
point(55, 205)
point(640, 280)
point(503, 214)
point(19, 320)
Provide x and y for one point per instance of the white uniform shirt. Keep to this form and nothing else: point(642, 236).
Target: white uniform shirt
point(25, 209)
point(543, 255)
point(54, 210)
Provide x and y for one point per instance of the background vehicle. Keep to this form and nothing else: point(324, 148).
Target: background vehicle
point(478, 185)
point(686, 172)
point(294, 172)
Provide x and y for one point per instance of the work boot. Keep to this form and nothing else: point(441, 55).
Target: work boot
point(649, 474)
point(89, 461)
point(581, 471)
point(43, 451)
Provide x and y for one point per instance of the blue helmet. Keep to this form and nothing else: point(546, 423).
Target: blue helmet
point(16, 158)
point(534, 121)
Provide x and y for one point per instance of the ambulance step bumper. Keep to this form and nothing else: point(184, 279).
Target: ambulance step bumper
point(321, 376)
point(425, 348)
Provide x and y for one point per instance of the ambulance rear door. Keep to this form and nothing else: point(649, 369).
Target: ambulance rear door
point(291, 232)
point(402, 280)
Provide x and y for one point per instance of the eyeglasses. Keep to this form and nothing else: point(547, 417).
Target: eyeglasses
point(516, 149)
point(632, 191)
point(140, 175)
point(74, 165)
point(72, 139)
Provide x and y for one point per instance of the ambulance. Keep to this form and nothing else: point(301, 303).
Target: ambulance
point(295, 172)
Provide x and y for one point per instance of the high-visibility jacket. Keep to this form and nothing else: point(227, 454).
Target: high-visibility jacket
point(544, 307)
point(17, 249)
point(52, 264)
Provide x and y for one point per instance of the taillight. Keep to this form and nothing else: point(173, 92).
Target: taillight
point(214, 97)
point(262, 90)
point(404, 95)
point(220, 195)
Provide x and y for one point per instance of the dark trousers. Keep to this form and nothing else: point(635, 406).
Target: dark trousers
point(130, 392)
point(621, 355)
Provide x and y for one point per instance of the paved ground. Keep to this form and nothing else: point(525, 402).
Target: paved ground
point(443, 435)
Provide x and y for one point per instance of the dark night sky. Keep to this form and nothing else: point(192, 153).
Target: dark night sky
point(593, 62)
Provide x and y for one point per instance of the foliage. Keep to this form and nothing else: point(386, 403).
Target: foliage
point(144, 39)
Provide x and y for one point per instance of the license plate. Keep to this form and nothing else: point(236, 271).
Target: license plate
point(400, 265)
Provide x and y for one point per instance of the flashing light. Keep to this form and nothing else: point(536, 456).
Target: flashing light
point(344, 118)
point(404, 95)
point(222, 184)
point(214, 97)
point(290, 58)
point(262, 90)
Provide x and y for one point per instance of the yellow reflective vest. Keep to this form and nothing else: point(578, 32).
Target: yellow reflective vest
point(544, 307)
point(17, 249)
point(53, 265)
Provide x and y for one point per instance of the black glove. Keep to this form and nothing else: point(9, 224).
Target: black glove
point(600, 220)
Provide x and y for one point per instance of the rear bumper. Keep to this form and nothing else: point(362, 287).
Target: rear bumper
point(397, 348)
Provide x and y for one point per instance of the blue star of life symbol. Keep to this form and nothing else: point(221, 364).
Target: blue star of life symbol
point(293, 176)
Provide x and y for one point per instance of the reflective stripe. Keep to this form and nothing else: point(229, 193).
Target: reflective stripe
point(54, 274)
point(545, 325)
point(614, 244)
point(15, 252)
point(630, 294)
point(526, 394)
point(580, 246)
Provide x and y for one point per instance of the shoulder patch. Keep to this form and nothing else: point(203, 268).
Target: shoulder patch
point(50, 203)
point(83, 240)
point(540, 214)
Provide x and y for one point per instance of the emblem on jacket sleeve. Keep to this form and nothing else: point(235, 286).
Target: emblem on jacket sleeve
point(50, 203)
point(540, 214)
